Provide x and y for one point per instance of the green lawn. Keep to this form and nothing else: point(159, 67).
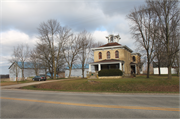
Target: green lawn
point(54, 79)
point(140, 84)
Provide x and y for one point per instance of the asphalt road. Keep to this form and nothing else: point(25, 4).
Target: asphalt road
point(17, 103)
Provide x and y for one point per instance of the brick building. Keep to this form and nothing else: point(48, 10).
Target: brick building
point(116, 56)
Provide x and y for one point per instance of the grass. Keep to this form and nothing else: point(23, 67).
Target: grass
point(4, 83)
point(55, 79)
point(165, 75)
point(140, 84)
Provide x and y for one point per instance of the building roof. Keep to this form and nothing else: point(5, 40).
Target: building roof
point(108, 61)
point(49, 74)
point(111, 44)
point(136, 54)
point(132, 63)
point(78, 66)
point(27, 65)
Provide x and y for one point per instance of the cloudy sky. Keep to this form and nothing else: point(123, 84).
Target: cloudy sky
point(20, 19)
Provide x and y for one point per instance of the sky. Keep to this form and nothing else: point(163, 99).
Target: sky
point(19, 20)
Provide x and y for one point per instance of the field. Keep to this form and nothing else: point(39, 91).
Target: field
point(139, 84)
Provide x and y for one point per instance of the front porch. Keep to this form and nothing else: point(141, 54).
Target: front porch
point(108, 64)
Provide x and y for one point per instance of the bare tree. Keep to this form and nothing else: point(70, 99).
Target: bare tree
point(167, 13)
point(14, 59)
point(97, 44)
point(35, 61)
point(94, 45)
point(86, 42)
point(60, 63)
point(53, 36)
point(159, 51)
point(48, 33)
point(21, 54)
point(71, 50)
point(143, 23)
point(45, 57)
point(174, 46)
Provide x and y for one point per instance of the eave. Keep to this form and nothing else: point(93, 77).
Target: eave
point(112, 47)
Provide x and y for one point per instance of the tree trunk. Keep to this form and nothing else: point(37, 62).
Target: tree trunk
point(16, 74)
point(70, 71)
point(169, 72)
point(36, 72)
point(83, 68)
point(148, 70)
point(51, 75)
point(54, 71)
point(178, 68)
point(159, 68)
point(148, 64)
point(178, 72)
point(23, 74)
point(177, 57)
point(83, 71)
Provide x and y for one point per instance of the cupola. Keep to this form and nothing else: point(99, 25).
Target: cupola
point(113, 38)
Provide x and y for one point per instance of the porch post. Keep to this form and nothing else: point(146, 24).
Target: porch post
point(120, 66)
point(89, 67)
point(99, 67)
point(135, 69)
point(123, 67)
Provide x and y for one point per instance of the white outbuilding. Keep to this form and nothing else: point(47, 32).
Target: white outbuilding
point(163, 69)
point(77, 70)
point(16, 68)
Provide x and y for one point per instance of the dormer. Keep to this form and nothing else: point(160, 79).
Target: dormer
point(113, 38)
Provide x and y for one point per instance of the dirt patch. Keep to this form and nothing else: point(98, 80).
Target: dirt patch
point(93, 82)
point(5, 79)
point(8, 83)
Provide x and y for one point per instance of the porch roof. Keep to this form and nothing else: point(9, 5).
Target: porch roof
point(108, 61)
point(132, 63)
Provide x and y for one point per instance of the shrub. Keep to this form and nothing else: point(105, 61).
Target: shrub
point(110, 72)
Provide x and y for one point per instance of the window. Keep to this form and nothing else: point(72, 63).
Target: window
point(111, 38)
point(108, 55)
point(117, 54)
point(100, 55)
point(134, 58)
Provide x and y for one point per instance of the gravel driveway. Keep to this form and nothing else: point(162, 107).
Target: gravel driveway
point(16, 86)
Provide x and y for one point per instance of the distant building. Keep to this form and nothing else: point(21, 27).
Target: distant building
point(116, 56)
point(61, 74)
point(16, 67)
point(163, 68)
point(4, 76)
point(77, 70)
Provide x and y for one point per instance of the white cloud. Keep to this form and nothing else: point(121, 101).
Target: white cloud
point(13, 38)
point(100, 36)
point(126, 39)
point(21, 19)
point(9, 40)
